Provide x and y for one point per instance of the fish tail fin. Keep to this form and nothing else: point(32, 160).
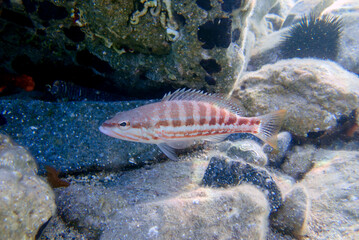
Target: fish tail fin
point(270, 126)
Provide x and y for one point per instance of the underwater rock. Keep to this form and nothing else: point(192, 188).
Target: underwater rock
point(349, 47)
point(305, 8)
point(276, 156)
point(299, 162)
point(132, 37)
point(257, 22)
point(266, 50)
point(275, 21)
point(92, 201)
point(27, 202)
point(77, 207)
point(314, 92)
point(248, 150)
point(86, 58)
point(223, 172)
point(237, 213)
point(65, 135)
point(333, 186)
point(265, 24)
point(15, 157)
point(344, 135)
point(223, 146)
point(161, 201)
point(57, 229)
point(291, 218)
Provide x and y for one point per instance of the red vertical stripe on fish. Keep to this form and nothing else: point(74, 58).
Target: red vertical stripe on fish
point(213, 111)
point(222, 115)
point(174, 114)
point(159, 114)
point(254, 121)
point(231, 120)
point(202, 113)
point(242, 121)
point(188, 106)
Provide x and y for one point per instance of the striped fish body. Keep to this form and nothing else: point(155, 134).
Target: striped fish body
point(186, 116)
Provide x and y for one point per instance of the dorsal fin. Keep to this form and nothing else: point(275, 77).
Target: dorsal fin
point(200, 96)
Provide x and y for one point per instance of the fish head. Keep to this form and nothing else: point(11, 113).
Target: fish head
point(127, 126)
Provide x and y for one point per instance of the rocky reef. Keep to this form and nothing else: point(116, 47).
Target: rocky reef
point(131, 47)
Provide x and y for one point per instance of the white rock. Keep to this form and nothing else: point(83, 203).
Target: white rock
point(313, 91)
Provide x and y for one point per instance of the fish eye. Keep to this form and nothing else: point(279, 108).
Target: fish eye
point(124, 124)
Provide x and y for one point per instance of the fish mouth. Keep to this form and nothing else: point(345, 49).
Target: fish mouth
point(107, 130)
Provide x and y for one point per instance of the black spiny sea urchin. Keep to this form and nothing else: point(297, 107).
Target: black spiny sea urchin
point(313, 37)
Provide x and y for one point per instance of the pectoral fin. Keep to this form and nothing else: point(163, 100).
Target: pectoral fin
point(169, 147)
point(168, 151)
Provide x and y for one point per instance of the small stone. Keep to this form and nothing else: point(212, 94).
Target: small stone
point(276, 157)
point(291, 217)
point(248, 150)
point(223, 146)
point(223, 172)
point(299, 162)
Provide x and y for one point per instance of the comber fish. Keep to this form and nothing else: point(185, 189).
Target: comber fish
point(185, 116)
